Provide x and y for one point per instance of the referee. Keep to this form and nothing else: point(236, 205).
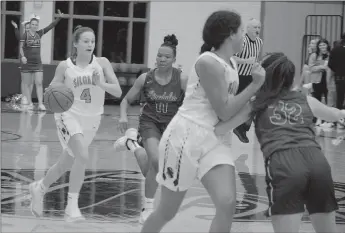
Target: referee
point(245, 60)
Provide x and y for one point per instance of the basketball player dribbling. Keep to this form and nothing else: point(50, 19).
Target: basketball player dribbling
point(163, 89)
point(189, 148)
point(297, 172)
point(305, 79)
point(88, 77)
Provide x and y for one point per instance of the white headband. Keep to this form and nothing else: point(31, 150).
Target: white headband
point(25, 22)
point(34, 16)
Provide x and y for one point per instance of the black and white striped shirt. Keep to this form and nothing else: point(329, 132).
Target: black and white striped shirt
point(250, 49)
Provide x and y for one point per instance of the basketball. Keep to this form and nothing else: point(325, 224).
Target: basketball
point(58, 98)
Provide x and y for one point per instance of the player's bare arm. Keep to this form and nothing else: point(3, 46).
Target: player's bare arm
point(184, 81)
point(111, 85)
point(130, 96)
point(325, 112)
point(59, 76)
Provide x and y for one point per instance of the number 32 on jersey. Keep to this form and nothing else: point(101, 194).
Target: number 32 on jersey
point(286, 113)
point(86, 95)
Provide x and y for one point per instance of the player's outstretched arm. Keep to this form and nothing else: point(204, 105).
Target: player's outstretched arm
point(112, 86)
point(325, 112)
point(43, 31)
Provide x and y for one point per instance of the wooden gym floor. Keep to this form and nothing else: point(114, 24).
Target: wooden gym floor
point(111, 195)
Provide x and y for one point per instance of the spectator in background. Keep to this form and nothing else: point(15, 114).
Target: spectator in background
point(305, 79)
point(320, 74)
point(336, 64)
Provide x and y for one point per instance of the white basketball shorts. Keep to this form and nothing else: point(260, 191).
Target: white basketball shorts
point(69, 124)
point(187, 152)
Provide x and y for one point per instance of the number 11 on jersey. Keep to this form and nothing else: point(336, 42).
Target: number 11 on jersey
point(86, 95)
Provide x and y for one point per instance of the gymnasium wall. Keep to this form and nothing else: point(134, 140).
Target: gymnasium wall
point(283, 28)
point(186, 20)
point(284, 25)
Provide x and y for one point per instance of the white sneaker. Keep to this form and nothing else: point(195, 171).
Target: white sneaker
point(73, 215)
point(338, 140)
point(121, 143)
point(132, 134)
point(24, 100)
point(341, 124)
point(145, 213)
point(37, 195)
point(326, 125)
point(30, 107)
point(318, 122)
point(308, 86)
point(41, 107)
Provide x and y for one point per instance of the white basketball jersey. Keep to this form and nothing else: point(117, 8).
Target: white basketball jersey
point(88, 97)
point(196, 105)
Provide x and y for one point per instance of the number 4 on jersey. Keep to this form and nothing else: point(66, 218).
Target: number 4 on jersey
point(86, 95)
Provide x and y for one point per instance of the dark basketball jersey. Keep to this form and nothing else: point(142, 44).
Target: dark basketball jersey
point(161, 102)
point(32, 46)
point(286, 124)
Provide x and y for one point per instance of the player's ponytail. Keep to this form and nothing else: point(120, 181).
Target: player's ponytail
point(205, 47)
point(73, 51)
point(75, 39)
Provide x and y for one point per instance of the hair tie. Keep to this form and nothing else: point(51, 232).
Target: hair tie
point(208, 45)
point(77, 27)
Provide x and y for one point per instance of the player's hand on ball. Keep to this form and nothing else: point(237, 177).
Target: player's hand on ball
point(123, 125)
point(259, 74)
point(51, 85)
point(96, 78)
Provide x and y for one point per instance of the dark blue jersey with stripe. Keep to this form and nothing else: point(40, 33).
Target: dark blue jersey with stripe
point(161, 102)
